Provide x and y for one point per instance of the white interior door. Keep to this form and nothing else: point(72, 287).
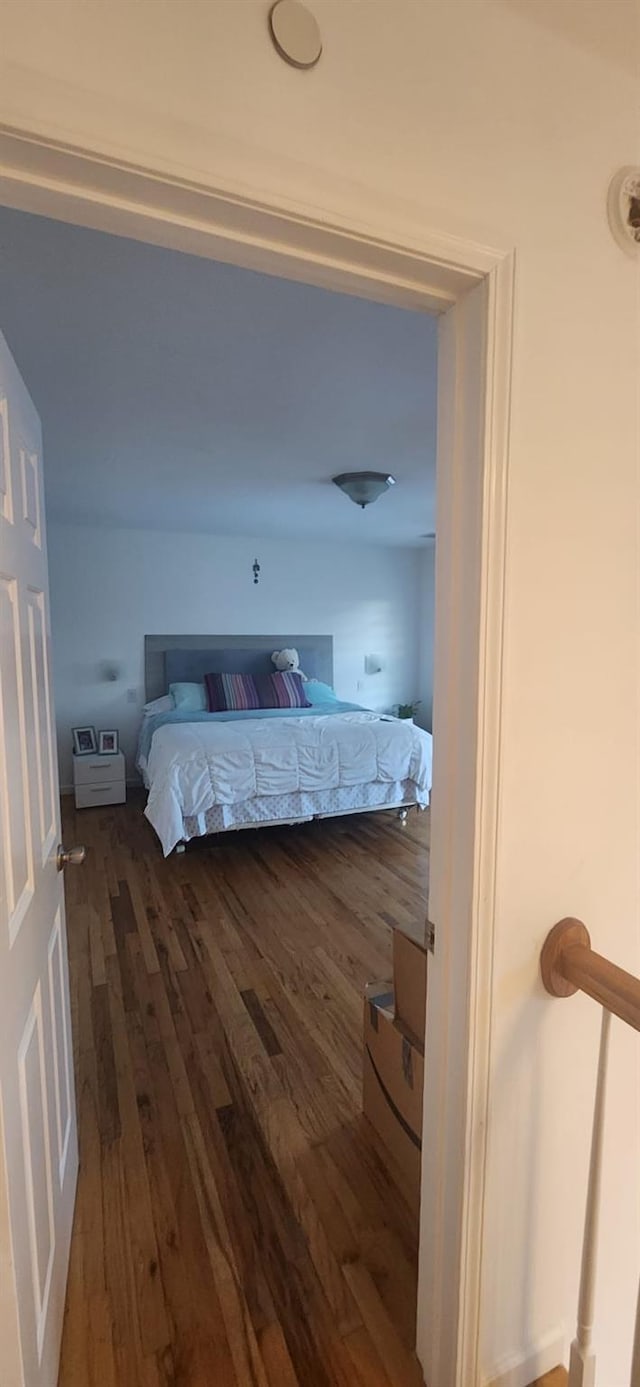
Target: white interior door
point(38, 1145)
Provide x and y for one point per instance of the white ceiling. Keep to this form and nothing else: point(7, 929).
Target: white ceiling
point(181, 394)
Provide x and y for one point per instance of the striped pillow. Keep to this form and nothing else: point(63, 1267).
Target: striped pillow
point(282, 690)
point(231, 693)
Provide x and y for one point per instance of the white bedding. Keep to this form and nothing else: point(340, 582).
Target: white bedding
point(192, 767)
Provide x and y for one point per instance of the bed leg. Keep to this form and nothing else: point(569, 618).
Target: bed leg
point(181, 847)
point(403, 815)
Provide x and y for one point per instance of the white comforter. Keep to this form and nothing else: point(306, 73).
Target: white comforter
point(193, 766)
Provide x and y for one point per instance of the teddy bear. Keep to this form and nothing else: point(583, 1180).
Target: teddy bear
point(287, 662)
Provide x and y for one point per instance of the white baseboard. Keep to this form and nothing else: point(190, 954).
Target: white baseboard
point(521, 1369)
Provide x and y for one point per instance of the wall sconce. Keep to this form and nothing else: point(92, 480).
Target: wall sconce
point(372, 664)
point(256, 571)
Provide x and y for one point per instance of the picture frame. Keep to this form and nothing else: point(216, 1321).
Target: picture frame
point(84, 741)
point(108, 742)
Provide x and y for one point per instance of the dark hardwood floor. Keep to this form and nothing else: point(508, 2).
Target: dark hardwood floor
point(235, 1226)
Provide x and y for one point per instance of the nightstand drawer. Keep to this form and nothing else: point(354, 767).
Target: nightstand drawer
point(109, 792)
point(92, 770)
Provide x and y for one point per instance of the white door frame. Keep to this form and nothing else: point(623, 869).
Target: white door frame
point(472, 288)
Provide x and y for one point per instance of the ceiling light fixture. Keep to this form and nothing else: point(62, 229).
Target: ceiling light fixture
point(364, 487)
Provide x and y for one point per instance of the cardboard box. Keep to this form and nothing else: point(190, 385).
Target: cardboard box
point(410, 984)
point(393, 1088)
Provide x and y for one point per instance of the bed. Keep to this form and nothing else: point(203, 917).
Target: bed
point(212, 772)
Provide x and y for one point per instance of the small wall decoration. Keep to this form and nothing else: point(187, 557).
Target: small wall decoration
point(256, 571)
point(108, 743)
point(109, 670)
point(84, 741)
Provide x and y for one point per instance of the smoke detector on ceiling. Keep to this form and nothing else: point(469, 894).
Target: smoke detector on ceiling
point(295, 33)
point(623, 208)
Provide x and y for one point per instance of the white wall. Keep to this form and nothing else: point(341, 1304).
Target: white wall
point(426, 619)
point(110, 588)
point(503, 120)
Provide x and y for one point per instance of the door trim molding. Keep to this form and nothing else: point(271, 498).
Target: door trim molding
point(424, 267)
point(427, 269)
point(500, 285)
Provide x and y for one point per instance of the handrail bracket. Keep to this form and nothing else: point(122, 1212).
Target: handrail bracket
point(565, 935)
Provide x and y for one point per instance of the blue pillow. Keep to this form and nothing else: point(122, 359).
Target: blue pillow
point(189, 698)
point(319, 693)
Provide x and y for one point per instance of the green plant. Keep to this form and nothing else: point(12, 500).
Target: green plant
point(409, 710)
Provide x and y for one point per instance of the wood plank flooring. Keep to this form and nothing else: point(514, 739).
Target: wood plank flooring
point(234, 1223)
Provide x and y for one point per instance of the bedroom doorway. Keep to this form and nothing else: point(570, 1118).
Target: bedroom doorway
point(473, 294)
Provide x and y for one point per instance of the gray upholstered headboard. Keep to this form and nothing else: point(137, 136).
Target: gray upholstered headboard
point(169, 659)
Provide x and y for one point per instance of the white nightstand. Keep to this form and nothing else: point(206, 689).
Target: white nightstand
point(99, 780)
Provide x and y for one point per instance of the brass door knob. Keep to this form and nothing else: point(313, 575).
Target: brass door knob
point(69, 857)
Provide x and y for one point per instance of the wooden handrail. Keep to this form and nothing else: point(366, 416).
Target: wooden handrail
point(568, 964)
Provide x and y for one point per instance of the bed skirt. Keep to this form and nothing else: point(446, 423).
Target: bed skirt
point(301, 805)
